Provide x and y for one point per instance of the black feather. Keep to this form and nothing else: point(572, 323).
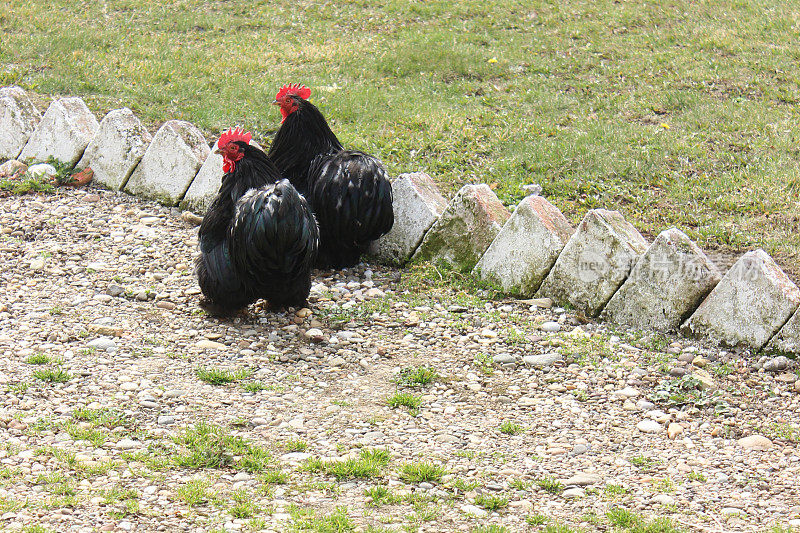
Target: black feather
point(257, 240)
point(349, 191)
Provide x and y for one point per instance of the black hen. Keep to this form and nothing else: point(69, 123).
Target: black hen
point(258, 238)
point(349, 191)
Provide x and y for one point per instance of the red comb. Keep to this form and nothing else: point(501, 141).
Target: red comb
point(233, 135)
point(300, 90)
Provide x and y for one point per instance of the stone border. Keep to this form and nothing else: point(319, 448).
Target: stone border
point(604, 268)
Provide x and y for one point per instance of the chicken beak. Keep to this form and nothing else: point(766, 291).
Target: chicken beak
point(276, 102)
point(217, 151)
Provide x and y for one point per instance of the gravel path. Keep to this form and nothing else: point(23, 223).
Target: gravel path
point(527, 416)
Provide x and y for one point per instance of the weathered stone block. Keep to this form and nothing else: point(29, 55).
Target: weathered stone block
point(206, 184)
point(18, 120)
point(64, 132)
point(465, 229)
point(417, 204)
point(594, 263)
point(787, 340)
point(526, 248)
point(116, 149)
point(665, 286)
point(748, 306)
point(170, 163)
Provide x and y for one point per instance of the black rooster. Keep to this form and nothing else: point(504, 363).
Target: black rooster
point(258, 238)
point(349, 191)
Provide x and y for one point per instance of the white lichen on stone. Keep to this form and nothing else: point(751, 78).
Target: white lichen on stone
point(665, 286)
point(748, 306)
point(594, 263)
point(526, 248)
point(116, 149)
point(417, 204)
point(18, 120)
point(170, 163)
point(465, 229)
point(65, 130)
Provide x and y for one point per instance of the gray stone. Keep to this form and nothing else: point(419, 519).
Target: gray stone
point(595, 262)
point(665, 286)
point(474, 510)
point(504, 358)
point(663, 499)
point(63, 133)
point(116, 149)
point(748, 306)
point(170, 163)
point(12, 168)
point(542, 360)
point(417, 204)
point(524, 251)
point(18, 120)
point(787, 340)
point(206, 184)
point(42, 170)
point(649, 426)
point(465, 229)
point(166, 420)
point(103, 343)
point(550, 327)
point(581, 480)
point(574, 493)
point(776, 364)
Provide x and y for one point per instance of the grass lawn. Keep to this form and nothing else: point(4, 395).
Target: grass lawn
point(676, 113)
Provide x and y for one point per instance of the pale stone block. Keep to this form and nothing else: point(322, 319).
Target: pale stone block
point(417, 204)
point(466, 228)
point(526, 248)
point(18, 119)
point(595, 262)
point(116, 149)
point(64, 132)
point(665, 286)
point(748, 306)
point(170, 163)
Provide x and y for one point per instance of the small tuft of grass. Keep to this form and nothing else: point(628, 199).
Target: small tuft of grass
point(416, 376)
point(404, 399)
point(550, 484)
point(52, 375)
point(255, 386)
point(422, 471)
point(38, 359)
point(295, 445)
point(243, 505)
point(511, 428)
point(209, 446)
point(696, 476)
point(491, 502)
point(370, 463)
point(214, 376)
point(194, 492)
point(273, 476)
point(536, 519)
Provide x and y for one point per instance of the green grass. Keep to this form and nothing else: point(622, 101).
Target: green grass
point(421, 471)
point(404, 399)
point(194, 492)
point(491, 502)
point(38, 359)
point(306, 520)
point(549, 484)
point(208, 446)
point(511, 428)
point(215, 376)
point(369, 463)
point(677, 113)
point(295, 445)
point(416, 376)
point(51, 375)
